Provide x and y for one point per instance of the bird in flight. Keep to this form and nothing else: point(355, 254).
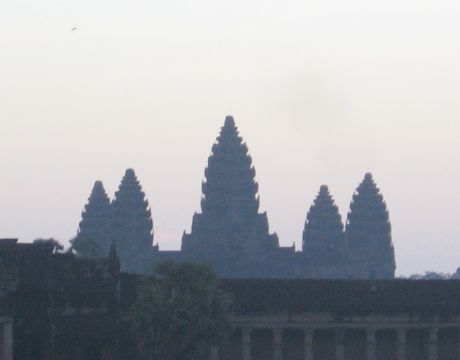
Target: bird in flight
point(74, 28)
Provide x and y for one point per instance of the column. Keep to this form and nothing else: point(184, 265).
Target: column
point(246, 344)
point(458, 343)
point(214, 352)
point(308, 344)
point(370, 344)
point(277, 344)
point(401, 344)
point(339, 352)
point(433, 344)
point(51, 348)
point(7, 342)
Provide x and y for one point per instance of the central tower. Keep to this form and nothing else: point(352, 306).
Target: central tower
point(230, 233)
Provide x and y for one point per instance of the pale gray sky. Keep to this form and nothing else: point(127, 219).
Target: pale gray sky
point(322, 91)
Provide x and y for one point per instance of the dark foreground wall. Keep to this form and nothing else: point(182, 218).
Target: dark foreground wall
point(67, 308)
point(62, 307)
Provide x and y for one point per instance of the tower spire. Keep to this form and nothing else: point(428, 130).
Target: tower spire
point(323, 237)
point(230, 185)
point(92, 237)
point(368, 230)
point(131, 223)
point(229, 226)
point(229, 121)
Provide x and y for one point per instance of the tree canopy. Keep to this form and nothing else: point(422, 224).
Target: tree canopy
point(85, 247)
point(57, 246)
point(180, 312)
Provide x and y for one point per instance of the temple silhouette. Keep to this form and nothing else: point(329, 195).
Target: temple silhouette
point(233, 236)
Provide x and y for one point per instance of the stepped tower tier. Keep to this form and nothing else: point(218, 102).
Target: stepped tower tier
point(324, 239)
point(131, 225)
point(230, 232)
point(92, 237)
point(368, 231)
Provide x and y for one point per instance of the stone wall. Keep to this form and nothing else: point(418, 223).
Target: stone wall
point(343, 320)
point(59, 307)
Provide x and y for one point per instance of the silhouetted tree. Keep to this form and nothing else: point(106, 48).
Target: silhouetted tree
point(180, 313)
point(432, 275)
point(86, 247)
point(57, 246)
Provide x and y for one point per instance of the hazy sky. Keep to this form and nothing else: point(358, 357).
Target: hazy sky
point(322, 91)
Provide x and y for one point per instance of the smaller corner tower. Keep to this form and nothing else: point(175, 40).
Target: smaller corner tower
point(368, 231)
point(323, 244)
point(131, 225)
point(93, 237)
